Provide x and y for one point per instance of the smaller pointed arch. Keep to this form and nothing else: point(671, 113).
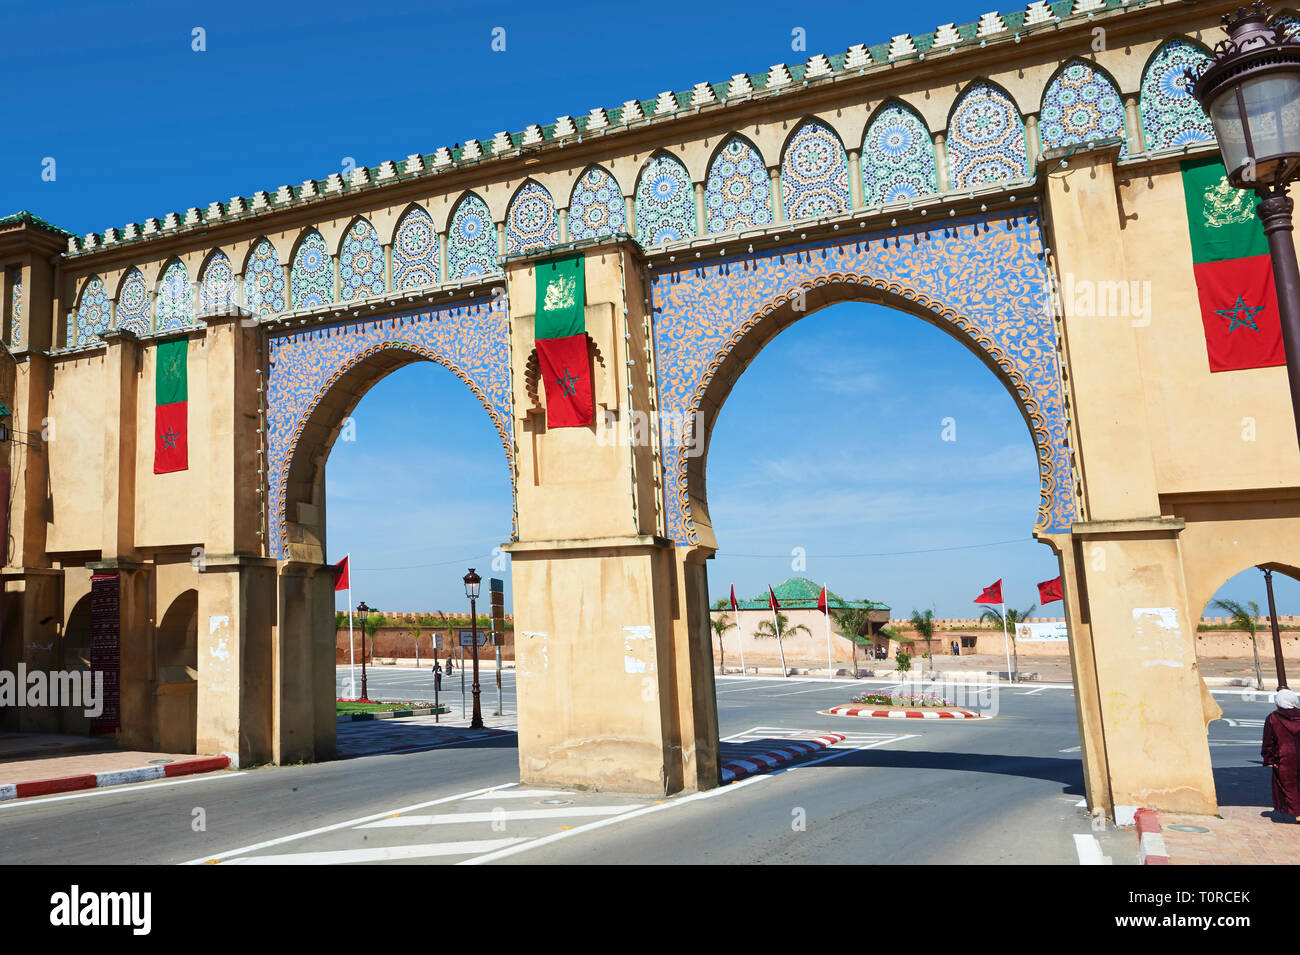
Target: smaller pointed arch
point(263, 279)
point(415, 250)
point(216, 284)
point(174, 306)
point(91, 315)
point(897, 156)
point(530, 219)
point(665, 202)
point(311, 277)
point(814, 172)
point(738, 191)
point(596, 207)
point(1171, 116)
point(471, 240)
point(133, 303)
point(1081, 104)
point(986, 137)
point(362, 269)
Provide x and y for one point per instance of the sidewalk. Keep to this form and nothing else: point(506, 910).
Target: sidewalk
point(1241, 835)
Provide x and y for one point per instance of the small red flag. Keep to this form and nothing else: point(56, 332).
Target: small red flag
point(341, 581)
point(992, 594)
point(735, 607)
point(1049, 590)
point(821, 601)
point(772, 602)
point(566, 373)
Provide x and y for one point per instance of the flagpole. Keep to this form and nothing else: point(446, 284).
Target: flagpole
point(352, 644)
point(830, 670)
point(740, 636)
point(776, 628)
point(1006, 641)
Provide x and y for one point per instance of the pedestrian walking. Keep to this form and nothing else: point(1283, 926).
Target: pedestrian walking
point(1281, 751)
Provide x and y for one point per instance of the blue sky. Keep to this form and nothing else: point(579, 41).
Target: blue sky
point(139, 124)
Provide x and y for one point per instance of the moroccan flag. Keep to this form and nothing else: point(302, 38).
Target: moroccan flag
point(566, 371)
point(992, 594)
point(772, 602)
point(561, 334)
point(821, 601)
point(1234, 274)
point(735, 607)
point(171, 408)
point(1049, 590)
point(341, 581)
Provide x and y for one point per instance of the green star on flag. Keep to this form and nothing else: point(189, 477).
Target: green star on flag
point(1234, 315)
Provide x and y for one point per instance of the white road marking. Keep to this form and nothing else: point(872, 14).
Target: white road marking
point(220, 856)
point(522, 794)
point(1034, 692)
point(381, 853)
point(505, 815)
point(1089, 850)
point(1072, 749)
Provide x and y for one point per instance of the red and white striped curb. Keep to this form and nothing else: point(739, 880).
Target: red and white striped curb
point(901, 714)
point(1151, 839)
point(116, 777)
point(770, 759)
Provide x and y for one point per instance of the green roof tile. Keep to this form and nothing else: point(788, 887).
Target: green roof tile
point(800, 593)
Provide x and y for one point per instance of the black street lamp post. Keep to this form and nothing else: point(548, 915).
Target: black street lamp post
point(472, 581)
point(1251, 92)
point(363, 611)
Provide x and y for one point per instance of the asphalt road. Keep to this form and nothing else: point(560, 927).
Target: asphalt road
point(1004, 790)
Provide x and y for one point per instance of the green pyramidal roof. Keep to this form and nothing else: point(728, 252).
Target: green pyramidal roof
point(25, 217)
point(800, 593)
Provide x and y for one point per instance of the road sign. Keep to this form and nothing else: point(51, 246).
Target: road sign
point(437, 641)
point(467, 638)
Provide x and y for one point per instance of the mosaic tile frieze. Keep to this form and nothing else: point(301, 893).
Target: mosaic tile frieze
point(133, 303)
point(16, 308)
point(264, 280)
point(1171, 116)
point(665, 202)
point(986, 138)
point(362, 270)
point(981, 278)
point(471, 240)
point(91, 316)
point(1081, 105)
point(597, 207)
point(897, 157)
point(175, 299)
point(738, 191)
point(530, 220)
point(415, 251)
point(217, 285)
point(311, 279)
point(470, 339)
point(815, 173)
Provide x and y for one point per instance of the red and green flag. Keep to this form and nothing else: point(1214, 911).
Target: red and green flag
point(171, 408)
point(561, 333)
point(1234, 274)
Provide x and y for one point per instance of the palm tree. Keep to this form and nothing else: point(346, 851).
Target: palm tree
point(1013, 617)
point(721, 625)
point(854, 623)
point(780, 632)
point(923, 624)
point(1244, 620)
point(415, 632)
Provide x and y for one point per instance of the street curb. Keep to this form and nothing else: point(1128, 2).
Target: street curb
point(115, 777)
point(898, 714)
point(759, 762)
point(1151, 839)
point(390, 714)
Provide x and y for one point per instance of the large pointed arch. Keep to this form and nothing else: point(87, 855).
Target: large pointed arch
point(986, 137)
point(665, 202)
point(363, 271)
point(596, 207)
point(530, 219)
point(1171, 116)
point(1081, 104)
point(814, 172)
point(898, 161)
point(471, 240)
point(415, 250)
point(311, 277)
point(738, 191)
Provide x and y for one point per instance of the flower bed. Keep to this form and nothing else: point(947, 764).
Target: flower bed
point(902, 699)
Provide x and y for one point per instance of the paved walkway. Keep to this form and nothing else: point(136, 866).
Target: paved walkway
point(53, 767)
point(1245, 835)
